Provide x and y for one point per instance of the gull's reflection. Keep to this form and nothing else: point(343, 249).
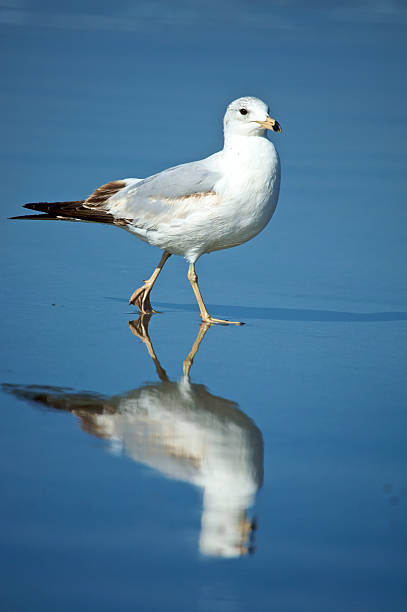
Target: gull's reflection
point(184, 432)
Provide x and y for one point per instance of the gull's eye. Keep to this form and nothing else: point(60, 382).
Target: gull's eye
point(243, 111)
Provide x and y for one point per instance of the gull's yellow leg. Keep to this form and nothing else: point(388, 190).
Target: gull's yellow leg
point(141, 296)
point(205, 316)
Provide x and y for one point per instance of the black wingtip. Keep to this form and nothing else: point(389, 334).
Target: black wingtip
point(40, 206)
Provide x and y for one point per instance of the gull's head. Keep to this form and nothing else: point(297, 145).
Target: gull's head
point(248, 117)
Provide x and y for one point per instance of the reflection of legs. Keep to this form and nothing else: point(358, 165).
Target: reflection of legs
point(140, 329)
point(189, 360)
point(205, 316)
point(141, 297)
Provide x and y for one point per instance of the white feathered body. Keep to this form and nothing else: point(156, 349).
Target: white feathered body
point(240, 187)
point(202, 206)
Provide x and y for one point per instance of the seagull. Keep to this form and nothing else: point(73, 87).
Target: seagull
point(199, 207)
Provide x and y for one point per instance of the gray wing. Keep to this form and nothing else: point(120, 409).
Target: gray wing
point(168, 194)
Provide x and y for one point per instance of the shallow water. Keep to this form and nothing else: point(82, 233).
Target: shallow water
point(274, 476)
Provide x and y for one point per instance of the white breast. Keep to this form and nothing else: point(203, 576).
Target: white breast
point(240, 205)
point(248, 192)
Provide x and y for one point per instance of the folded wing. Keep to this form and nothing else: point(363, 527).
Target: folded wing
point(141, 203)
point(173, 193)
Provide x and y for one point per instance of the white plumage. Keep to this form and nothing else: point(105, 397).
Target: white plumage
point(211, 204)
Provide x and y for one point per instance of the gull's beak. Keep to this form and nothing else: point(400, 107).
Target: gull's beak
point(270, 124)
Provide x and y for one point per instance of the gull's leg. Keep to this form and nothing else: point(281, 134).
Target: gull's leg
point(141, 296)
point(205, 316)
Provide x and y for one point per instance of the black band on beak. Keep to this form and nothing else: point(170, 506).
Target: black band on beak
point(277, 127)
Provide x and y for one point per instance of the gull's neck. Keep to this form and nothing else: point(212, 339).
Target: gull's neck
point(249, 162)
point(233, 142)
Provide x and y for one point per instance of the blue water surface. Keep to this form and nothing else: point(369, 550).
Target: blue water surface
point(273, 478)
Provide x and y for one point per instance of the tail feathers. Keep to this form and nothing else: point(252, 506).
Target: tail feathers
point(68, 211)
point(53, 210)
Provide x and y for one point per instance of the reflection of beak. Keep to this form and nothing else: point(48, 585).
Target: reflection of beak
point(270, 124)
